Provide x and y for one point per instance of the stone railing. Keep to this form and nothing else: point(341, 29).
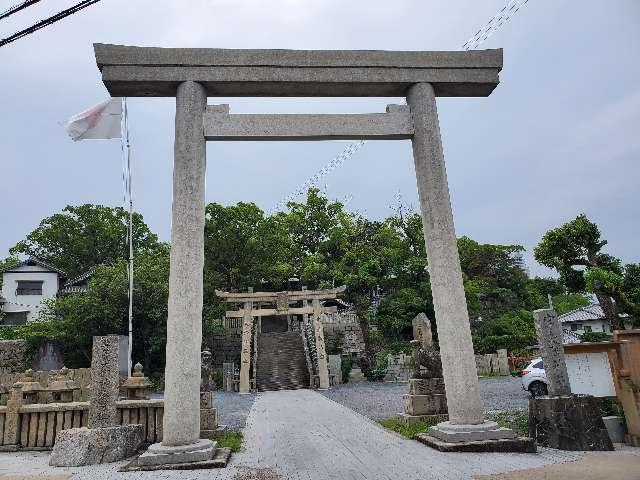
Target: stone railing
point(82, 376)
point(35, 426)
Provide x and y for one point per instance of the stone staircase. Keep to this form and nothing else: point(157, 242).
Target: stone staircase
point(282, 364)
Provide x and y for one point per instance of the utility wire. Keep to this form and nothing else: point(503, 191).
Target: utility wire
point(488, 29)
point(17, 8)
point(45, 23)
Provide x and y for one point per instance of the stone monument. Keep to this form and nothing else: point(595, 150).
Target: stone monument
point(208, 413)
point(422, 330)
point(105, 440)
point(191, 75)
point(562, 420)
point(426, 399)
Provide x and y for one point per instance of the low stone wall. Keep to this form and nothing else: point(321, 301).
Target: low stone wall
point(81, 375)
point(351, 331)
point(12, 356)
point(35, 426)
point(493, 363)
point(399, 368)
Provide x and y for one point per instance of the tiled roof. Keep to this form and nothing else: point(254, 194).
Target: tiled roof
point(590, 312)
point(80, 278)
point(72, 289)
point(33, 261)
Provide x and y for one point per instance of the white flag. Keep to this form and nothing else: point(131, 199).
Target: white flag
point(101, 121)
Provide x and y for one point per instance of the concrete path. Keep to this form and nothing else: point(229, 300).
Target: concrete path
point(301, 434)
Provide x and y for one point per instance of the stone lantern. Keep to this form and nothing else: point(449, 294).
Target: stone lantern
point(4, 394)
point(30, 387)
point(62, 387)
point(137, 385)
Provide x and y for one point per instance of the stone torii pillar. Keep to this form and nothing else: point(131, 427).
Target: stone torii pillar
point(181, 441)
point(449, 302)
point(466, 418)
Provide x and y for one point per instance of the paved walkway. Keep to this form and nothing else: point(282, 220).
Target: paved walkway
point(303, 435)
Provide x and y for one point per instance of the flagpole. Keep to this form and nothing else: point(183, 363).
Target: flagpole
point(130, 235)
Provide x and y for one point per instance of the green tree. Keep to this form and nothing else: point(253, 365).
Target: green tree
point(7, 262)
point(81, 237)
point(73, 320)
point(574, 251)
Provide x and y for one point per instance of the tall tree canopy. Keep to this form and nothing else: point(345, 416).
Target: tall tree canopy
point(83, 236)
point(382, 263)
point(574, 250)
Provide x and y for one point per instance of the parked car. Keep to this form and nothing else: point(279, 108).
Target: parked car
point(534, 378)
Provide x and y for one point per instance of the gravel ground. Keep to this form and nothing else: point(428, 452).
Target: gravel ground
point(233, 408)
point(384, 400)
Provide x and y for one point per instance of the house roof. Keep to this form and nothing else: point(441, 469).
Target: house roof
point(590, 312)
point(80, 278)
point(33, 261)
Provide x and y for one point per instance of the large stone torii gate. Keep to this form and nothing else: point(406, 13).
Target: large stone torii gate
point(191, 75)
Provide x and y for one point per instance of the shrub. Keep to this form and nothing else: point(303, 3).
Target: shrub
point(492, 343)
point(595, 337)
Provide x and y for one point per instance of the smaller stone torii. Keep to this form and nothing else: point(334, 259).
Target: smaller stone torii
point(281, 306)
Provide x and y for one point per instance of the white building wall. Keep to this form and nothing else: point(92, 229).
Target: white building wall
point(590, 374)
point(28, 303)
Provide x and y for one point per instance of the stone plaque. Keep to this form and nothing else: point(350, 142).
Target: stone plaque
point(422, 330)
point(282, 302)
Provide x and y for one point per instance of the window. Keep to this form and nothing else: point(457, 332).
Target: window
point(540, 364)
point(29, 287)
point(574, 327)
point(587, 328)
point(14, 318)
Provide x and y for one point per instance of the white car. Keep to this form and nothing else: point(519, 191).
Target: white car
point(534, 378)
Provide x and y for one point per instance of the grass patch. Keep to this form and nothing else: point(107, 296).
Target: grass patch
point(516, 420)
point(231, 439)
point(407, 430)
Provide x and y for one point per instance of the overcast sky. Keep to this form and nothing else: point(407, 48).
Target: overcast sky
point(559, 136)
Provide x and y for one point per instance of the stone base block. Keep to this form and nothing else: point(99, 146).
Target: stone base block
point(518, 445)
point(615, 428)
point(413, 419)
point(571, 422)
point(425, 404)
point(426, 386)
point(208, 418)
point(219, 460)
point(89, 446)
point(157, 454)
point(454, 433)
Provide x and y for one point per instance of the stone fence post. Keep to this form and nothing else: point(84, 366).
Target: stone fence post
point(550, 340)
point(12, 419)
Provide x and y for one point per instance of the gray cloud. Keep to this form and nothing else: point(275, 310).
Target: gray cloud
point(558, 137)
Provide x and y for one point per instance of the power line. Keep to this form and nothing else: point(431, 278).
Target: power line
point(45, 23)
point(488, 29)
point(17, 8)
